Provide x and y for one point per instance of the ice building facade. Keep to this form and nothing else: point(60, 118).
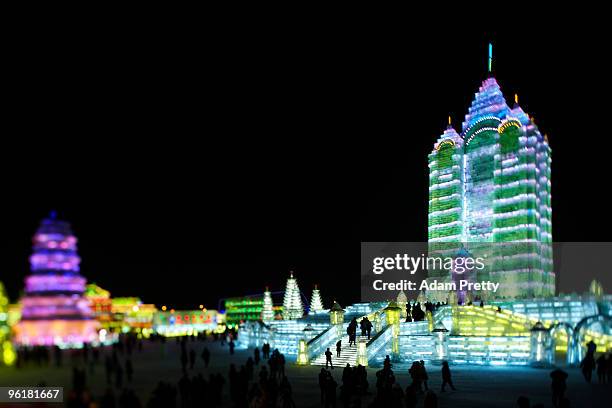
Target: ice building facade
point(55, 310)
point(489, 190)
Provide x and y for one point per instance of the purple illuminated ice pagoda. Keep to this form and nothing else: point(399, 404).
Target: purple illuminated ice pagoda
point(55, 312)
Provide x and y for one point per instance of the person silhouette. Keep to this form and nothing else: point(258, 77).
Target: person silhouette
point(587, 365)
point(410, 396)
point(192, 358)
point(119, 377)
point(206, 356)
point(330, 391)
point(129, 370)
point(609, 368)
point(322, 383)
point(387, 363)
point(351, 330)
point(338, 348)
point(446, 376)
point(430, 400)
point(558, 386)
point(328, 358)
point(415, 375)
point(424, 376)
point(368, 327)
point(256, 355)
point(408, 313)
point(601, 369)
point(184, 360)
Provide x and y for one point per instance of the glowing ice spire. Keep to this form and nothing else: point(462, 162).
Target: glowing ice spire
point(490, 57)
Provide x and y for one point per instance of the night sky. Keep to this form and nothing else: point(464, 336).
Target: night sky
point(195, 168)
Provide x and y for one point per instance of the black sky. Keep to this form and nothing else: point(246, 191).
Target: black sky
point(195, 167)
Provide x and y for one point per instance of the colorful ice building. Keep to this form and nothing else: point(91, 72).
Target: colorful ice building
point(241, 309)
point(187, 322)
point(489, 193)
point(131, 315)
point(54, 309)
point(101, 304)
point(7, 353)
point(255, 307)
point(120, 314)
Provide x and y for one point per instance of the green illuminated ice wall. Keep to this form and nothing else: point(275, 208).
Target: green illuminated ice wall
point(490, 186)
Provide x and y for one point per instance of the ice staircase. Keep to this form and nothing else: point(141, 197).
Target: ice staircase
point(347, 355)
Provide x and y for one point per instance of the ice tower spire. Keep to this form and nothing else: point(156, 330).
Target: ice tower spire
point(488, 102)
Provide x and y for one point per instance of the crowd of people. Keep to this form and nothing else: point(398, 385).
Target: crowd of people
point(270, 389)
point(119, 372)
point(365, 326)
point(262, 380)
point(389, 393)
point(354, 386)
point(602, 365)
point(415, 312)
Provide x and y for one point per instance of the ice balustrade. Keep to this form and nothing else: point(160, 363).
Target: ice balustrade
point(288, 333)
point(318, 344)
point(414, 328)
point(569, 309)
point(327, 338)
point(283, 335)
point(380, 341)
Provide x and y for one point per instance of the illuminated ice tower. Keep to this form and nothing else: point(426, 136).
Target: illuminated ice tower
point(491, 184)
point(316, 304)
point(267, 312)
point(54, 308)
point(4, 327)
point(292, 302)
